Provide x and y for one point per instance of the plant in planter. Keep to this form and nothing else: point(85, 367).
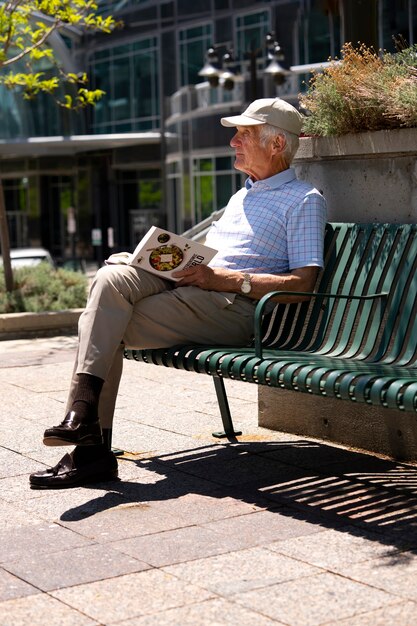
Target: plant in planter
point(363, 91)
point(42, 288)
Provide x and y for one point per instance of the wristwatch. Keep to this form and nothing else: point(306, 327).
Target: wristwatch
point(246, 286)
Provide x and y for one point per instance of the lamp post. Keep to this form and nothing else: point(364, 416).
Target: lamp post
point(220, 67)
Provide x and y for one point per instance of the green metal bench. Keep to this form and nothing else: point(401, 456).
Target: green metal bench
point(355, 339)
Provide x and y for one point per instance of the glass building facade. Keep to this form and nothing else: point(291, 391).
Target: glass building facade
point(152, 151)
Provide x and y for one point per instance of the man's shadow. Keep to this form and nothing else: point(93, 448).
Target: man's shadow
point(305, 480)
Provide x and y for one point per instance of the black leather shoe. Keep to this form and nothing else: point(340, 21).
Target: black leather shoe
point(67, 474)
point(74, 432)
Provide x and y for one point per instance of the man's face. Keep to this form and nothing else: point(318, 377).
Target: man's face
point(251, 156)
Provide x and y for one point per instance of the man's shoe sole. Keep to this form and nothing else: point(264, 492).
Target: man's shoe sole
point(88, 440)
point(77, 482)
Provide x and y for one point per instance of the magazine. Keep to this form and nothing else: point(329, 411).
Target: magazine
point(162, 252)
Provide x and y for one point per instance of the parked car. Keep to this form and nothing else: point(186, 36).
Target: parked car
point(24, 257)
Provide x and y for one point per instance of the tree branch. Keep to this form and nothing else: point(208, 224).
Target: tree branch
point(36, 45)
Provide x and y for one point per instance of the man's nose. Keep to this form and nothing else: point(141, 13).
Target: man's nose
point(234, 140)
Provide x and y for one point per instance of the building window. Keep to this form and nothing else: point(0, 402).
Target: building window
point(250, 32)
point(129, 76)
point(214, 182)
point(319, 31)
point(174, 197)
point(398, 18)
point(16, 201)
point(193, 44)
point(139, 205)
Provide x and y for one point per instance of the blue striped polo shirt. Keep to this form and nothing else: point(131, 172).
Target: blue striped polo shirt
point(271, 226)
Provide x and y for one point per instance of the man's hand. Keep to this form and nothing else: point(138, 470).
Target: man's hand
point(209, 278)
point(221, 279)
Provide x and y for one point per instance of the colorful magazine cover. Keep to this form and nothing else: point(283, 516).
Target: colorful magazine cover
point(162, 252)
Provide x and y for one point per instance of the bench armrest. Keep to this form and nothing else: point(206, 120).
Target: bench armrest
point(260, 307)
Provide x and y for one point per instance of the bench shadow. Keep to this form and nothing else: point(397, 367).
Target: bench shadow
point(305, 480)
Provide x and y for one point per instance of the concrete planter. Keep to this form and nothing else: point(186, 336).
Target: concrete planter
point(365, 177)
point(13, 325)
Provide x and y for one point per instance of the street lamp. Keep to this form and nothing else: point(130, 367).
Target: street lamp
point(275, 55)
point(220, 67)
point(211, 69)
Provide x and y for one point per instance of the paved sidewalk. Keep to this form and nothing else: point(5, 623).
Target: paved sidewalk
point(272, 530)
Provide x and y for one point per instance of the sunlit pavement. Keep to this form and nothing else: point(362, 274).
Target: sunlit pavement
point(272, 529)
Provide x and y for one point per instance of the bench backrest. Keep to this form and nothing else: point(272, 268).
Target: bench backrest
point(360, 259)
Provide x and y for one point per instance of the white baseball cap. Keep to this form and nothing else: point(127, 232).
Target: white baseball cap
point(273, 111)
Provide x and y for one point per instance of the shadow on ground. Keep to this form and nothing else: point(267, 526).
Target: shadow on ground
point(305, 480)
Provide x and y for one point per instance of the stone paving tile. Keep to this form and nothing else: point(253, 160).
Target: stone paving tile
point(129, 519)
point(148, 468)
point(257, 471)
point(20, 544)
point(22, 404)
point(398, 476)
point(12, 587)
point(15, 489)
point(218, 537)
point(41, 609)
point(12, 464)
point(48, 410)
point(395, 574)
point(400, 614)
point(130, 596)
point(61, 344)
point(173, 378)
point(231, 466)
point(51, 379)
point(24, 436)
point(333, 548)
point(217, 612)
point(140, 438)
point(179, 545)
point(371, 468)
point(45, 456)
point(12, 516)
point(57, 505)
point(136, 518)
point(238, 572)
point(73, 567)
point(201, 508)
point(157, 489)
point(325, 597)
point(202, 455)
point(186, 392)
point(312, 454)
point(192, 421)
point(263, 527)
point(353, 502)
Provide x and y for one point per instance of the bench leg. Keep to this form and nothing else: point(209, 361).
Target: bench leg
point(229, 430)
point(107, 436)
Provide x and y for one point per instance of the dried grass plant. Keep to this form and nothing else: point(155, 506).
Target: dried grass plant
point(363, 91)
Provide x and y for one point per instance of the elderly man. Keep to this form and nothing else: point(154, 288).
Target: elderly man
point(269, 238)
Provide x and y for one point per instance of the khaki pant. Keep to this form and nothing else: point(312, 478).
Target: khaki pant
point(130, 307)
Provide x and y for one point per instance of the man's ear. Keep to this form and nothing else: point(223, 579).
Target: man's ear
point(278, 144)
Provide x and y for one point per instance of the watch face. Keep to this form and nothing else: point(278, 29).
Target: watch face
point(246, 286)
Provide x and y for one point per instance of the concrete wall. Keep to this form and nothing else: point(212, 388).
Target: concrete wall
point(370, 177)
point(365, 177)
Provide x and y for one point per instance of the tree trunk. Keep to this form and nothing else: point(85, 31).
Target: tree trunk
point(5, 243)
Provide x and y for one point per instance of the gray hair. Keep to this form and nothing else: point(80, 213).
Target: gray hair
point(268, 133)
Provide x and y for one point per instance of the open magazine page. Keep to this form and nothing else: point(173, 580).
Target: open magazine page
point(162, 252)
